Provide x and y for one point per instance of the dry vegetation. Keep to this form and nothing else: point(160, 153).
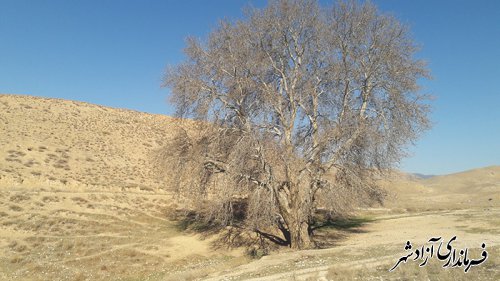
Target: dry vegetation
point(79, 199)
point(57, 143)
point(79, 204)
point(310, 103)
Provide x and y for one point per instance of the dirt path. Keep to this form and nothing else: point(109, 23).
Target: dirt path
point(381, 242)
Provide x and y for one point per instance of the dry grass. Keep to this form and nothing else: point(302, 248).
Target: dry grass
point(78, 144)
point(79, 200)
point(489, 270)
point(96, 236)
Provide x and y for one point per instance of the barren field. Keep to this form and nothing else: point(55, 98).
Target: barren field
point(80, 200)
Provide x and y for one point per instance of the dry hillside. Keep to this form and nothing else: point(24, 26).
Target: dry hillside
point(58, 142)
point(79, 197)
point(479, 188)
point(485, 179)
point(80, 200)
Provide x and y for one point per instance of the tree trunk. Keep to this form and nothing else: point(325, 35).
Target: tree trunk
point(299, 235)
point(298, 218)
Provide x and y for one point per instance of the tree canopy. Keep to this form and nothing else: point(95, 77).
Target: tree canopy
point(300, 107)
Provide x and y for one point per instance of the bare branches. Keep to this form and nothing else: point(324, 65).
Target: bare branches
point(300, 106)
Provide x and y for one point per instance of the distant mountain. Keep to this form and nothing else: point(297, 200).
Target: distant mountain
point(422, 176)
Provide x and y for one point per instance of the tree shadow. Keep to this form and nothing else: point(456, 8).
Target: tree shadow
point(326, 232)
point(192, 222)
point(256, 242)
point(349, 224)
point(330, 231)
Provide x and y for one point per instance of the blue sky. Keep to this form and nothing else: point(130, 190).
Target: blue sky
point(114, 52)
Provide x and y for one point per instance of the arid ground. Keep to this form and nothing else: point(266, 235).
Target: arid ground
point(80, 200)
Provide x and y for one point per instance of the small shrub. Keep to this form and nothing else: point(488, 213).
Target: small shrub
point(15, 208)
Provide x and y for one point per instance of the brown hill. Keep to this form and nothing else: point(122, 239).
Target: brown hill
point(79, 196)
point(55, 142)
point(80, 200)
point(470, 189)
point(478, 180)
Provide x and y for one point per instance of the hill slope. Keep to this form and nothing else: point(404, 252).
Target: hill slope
point(79, 200)
point(472, 181)
point(58, 142)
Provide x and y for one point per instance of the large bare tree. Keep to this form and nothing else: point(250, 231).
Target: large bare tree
point(299, 107)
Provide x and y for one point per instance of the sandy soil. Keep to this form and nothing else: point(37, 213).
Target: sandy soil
point(80, 199)
point(386, 237)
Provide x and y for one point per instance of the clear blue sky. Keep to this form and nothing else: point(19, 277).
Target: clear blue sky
point(113, 52)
